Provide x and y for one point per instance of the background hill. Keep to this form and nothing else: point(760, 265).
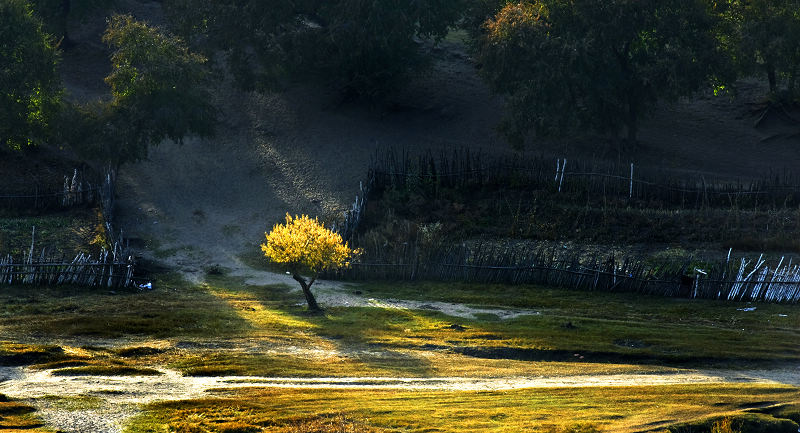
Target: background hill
point(303, 150)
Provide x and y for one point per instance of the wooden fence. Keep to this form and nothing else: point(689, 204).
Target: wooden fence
point(736, 280)
point(352, 217)
point(110, 269)
point(75, 191)
point(582, 180)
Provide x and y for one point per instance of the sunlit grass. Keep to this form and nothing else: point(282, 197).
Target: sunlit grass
point(229, 327)
point(251, 309)
point(675, 330)
point(16, 416)
point(13, 354)
point(173, 310)
point(622, 409)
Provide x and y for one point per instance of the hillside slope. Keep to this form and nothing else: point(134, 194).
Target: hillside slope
point(301, 151)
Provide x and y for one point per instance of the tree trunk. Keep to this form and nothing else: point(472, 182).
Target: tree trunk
point(773, 79)
point(312, 302)
point(66, 8)
point(792, 87)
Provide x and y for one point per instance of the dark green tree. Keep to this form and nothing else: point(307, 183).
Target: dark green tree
point(57, 14)
point(600, 65)
point(361, 47)
point(764, 37)
point(30, 87)
point(253, 34)
point(158, 92)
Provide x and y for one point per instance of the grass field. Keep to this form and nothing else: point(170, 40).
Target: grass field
point(606, 330)
point(225, 327)
point(578, 410)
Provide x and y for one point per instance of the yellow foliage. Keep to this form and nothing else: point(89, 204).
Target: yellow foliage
point(304, 243)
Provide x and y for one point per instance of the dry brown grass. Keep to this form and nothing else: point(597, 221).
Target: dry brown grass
point(16, 417)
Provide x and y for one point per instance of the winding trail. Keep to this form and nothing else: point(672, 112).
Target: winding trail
point(171, 385)
point(120, 397)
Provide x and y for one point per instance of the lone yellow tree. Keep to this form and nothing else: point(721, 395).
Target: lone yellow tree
point(306, 247)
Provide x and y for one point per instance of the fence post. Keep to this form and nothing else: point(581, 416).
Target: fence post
point(630, 191)
point(558, 169)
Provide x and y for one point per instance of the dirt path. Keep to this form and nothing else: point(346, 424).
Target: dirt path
point(117, 398)
point(338, 294)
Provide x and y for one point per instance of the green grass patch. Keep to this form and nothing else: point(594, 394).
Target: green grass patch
point(555, 300)
point(619, 409)
point(14, 408)
point(386, 363)
point(239, 364)
point(174, 309)
point(125, 361)
point(15, 354)
point(68, 363)
point(139, 351)
point(745, 423)
point(602, 326)
point(785, 411)
point(574, 331)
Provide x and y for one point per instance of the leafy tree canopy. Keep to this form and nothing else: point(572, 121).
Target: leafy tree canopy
point(57, 13)
point(30, 88)
point(306, 247)
point(158, 91)
point(361, 47)
point(764, 36)
point(568, 65)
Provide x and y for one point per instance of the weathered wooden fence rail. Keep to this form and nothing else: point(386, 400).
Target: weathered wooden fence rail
point(111, 269)
point(82, 271)
point(741, 280)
